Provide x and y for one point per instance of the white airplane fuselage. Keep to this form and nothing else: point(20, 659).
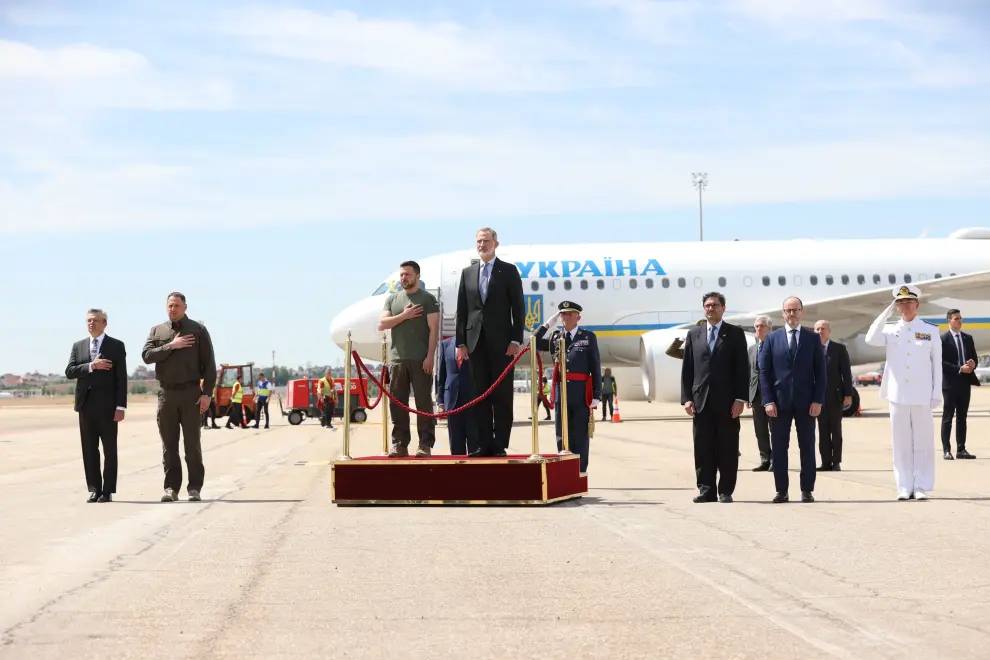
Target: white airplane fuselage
point(635, 294)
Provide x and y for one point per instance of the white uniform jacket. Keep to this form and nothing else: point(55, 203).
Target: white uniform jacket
point(913, 371)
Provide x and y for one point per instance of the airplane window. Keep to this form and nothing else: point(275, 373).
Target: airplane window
point(938, 276)
point(766, 281)
point(797, 280)
point(845, 279)
point(721, 281)
point(567, 285)
point(781, 280)
point(681, 282)
point(861, 279)
point(748, 281)
point(876, 278)
point(649, 282)
point(534, 285)
point(600, 284)
point(632, 284)
point(584, 285)
point(551, 285)
point(922, 277)
point(697, 282)
point(952, 274)
point(665, 283)
point(617, 284)
point(813, 279)
point(382, 288)
point(829, 280)
point(892, 278)
point(907, 278)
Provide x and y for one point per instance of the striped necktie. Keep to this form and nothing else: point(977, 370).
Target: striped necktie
point(92, 351)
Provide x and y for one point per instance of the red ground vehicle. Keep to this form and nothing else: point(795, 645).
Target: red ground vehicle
point(301, 400)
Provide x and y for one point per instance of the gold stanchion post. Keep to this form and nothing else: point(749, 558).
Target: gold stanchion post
point(347, 399)
point(534, 384)
point(562, 361)
point(384, 403)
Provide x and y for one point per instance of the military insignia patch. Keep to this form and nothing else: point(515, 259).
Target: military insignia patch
point(923, 336)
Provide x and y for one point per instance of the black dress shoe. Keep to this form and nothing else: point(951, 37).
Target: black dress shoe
point(781, 497)
point(947, 455)
point(499, 453)
point(762, 467)
point(962, 453)
point(806, 496)
point(105, 497)
point(836, 468)
point(725, 499)
point(698, 499)
point(823, 468)
point(93, 497)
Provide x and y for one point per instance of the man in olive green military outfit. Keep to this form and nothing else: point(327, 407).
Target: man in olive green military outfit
point(413, 316)
point(182, 351)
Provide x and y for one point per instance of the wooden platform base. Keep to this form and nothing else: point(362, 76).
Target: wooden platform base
point(509, 480)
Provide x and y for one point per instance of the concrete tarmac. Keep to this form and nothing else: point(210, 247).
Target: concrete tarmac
point(265, 566)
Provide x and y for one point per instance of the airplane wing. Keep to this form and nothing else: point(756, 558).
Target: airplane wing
point(853, 313)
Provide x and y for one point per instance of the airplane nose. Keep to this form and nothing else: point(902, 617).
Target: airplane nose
point(361, 320)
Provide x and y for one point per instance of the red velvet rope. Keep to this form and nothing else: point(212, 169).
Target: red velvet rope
point(447, 413)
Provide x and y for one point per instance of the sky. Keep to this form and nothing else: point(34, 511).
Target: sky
point(275, 161)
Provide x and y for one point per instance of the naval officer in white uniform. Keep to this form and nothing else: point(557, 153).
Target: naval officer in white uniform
point(912, 385)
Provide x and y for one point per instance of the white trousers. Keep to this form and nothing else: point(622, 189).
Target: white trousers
point(913, 439)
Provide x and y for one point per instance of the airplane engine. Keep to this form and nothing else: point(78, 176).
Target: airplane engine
point(661, 372)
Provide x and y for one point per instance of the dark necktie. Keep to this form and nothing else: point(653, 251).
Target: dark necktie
point(959, 347)
point(792, 345)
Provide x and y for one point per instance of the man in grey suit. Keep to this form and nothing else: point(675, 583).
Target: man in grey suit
point(761, 423)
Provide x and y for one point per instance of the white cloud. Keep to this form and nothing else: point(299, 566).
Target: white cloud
point(450, 176)
point(444, 55)
point(85, 77)
point(75, 61)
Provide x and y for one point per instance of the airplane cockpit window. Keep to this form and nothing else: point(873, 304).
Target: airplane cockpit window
point(382, 288)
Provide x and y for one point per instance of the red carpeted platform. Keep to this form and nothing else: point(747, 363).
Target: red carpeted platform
point(457, 480)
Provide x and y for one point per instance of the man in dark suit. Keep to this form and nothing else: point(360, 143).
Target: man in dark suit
point(792, 380)
point(99, 367)
point(714, 387)
point(490, 313)
point(838, 395)
point(453, 391)
point(761, 423)
point(958, 377)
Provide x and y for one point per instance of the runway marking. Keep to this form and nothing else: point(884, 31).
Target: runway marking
point(828, 630)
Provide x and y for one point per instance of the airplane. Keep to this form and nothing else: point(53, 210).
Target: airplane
point(639, 298)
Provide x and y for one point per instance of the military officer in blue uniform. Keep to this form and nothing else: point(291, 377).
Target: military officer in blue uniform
point(584, 376)
point(912, 385)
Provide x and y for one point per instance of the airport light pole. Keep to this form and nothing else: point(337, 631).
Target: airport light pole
point(700, 181)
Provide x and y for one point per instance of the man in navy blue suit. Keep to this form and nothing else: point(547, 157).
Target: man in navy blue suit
point(453, 391)
point(792, 381)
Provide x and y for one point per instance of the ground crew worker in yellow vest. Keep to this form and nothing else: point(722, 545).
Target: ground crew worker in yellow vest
point(327, 393)
point(261, 400)
point(211, 412)
point(236, 413)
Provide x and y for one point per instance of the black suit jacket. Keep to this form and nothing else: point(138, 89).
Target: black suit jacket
point(109, 387)
point(838, 369)
point(719, 378)
point(952, 361)
point(501, 314)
